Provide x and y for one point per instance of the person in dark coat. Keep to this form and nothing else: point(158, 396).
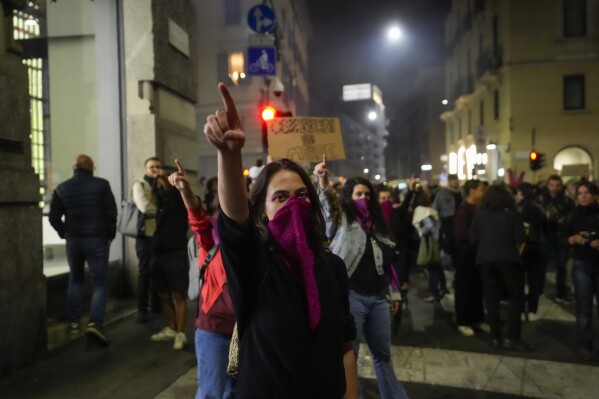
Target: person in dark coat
point(169, 265)
point(557, 207)
point(89, 225)
point(497, 231)
point(469, 312)
point(290, 294)
point(583, 238)
point(533, 254)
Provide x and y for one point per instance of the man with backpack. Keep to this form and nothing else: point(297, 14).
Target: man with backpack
point(144, 197)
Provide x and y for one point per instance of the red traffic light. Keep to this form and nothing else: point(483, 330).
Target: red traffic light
point(533, 156)
point(268, 113)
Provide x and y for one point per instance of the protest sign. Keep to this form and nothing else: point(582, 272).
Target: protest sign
point(304, 139)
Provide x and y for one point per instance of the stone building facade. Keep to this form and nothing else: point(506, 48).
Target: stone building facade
point(520, 76)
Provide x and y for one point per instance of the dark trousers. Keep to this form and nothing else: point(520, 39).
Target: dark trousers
point(405, 261)
point(468, 289)
point(561, 253)
point(143, 248)
point(495, 277)
point(436, 279)
point(535, 265)
point(585, 277)
point(94, 251)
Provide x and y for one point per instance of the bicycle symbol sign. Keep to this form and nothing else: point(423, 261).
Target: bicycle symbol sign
point(262, 60)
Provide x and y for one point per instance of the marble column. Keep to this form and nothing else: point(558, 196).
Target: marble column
point(23, 333)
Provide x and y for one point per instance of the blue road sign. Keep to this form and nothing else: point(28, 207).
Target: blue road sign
point(262, 61)
point(261, 18)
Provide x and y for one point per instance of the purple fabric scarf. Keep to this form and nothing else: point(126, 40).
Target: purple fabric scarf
point(288, 227)
point(363, 214)
point(387, 208)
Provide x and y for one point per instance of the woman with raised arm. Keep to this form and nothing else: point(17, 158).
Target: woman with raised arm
point(289, 293)
point(215, 320)
point(362, 238)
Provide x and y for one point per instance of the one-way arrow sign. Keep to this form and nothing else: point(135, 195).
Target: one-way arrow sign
point(261, 18)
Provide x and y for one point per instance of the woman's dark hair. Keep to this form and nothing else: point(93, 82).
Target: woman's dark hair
point(528, 190)
point(211, 182)
point(497, 197)
point(316, 230)
point(590, 186)
point(422, 197)
point(347, 204)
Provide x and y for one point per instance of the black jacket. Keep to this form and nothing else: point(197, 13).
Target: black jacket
point(584, 218)
point(534, 216)
point(497, 235)
point(556, 208)
point(88, 206)
point(171, 222)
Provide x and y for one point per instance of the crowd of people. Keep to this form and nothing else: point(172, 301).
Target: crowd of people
point(298, 271)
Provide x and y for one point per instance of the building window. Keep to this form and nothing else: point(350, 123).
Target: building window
point(495, 34)
point(496, 104)
point(232, 12)
point(481, 113)
point(236, 62)
point(230, 68)
point(27, 27)
point(574, 92)
point(575, 18)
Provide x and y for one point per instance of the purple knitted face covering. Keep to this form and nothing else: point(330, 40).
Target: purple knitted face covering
point(214, 221)
point(363, 214)
point(288, 227)
point(387, 208)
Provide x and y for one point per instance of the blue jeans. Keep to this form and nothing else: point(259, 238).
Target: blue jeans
point(436, 279)
point(585, 278)
point(212, 353)
point(95, 251)
point(561, 260)
point(372, 317)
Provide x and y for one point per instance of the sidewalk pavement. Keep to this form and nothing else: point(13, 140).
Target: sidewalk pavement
point(430, 357)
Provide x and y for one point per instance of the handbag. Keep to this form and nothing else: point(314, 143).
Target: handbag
point(196, 274)
point(233, 365)
point(428, 251)
point(130, 221)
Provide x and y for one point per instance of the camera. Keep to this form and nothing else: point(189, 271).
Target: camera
point(589, 235)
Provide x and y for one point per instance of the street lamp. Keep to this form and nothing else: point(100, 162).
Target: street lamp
point(372, 115)
point(365, 170)
point(394, 33)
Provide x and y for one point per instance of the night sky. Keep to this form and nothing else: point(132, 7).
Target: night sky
point(349, 45)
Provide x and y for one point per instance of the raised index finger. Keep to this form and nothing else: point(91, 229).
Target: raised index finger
point(230, 108)
point(324, 160)
point(180, 166)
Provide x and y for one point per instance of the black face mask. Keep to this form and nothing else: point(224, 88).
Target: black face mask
point(150, 180)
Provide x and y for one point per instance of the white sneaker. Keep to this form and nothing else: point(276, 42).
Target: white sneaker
point(180, 340)
point(166, 334)
point(533, 316)
point(484, 327)
point(466, 331)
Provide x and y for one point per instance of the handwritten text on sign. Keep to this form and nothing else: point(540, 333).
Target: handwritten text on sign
point(305, 139)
